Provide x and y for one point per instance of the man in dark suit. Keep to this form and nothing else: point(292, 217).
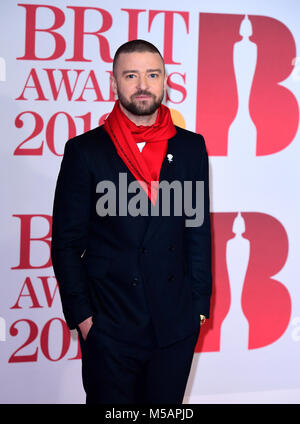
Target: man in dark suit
point(135, 280)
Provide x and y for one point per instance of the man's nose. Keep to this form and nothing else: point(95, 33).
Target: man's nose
point(143, 82)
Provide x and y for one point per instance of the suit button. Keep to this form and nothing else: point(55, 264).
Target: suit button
point(143, 250)
point(135, 281)
point(171, 248)
point(171, 278)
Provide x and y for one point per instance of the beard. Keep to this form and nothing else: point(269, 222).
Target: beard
point(141, 107)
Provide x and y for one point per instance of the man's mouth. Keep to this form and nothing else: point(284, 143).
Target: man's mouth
point(143, 96)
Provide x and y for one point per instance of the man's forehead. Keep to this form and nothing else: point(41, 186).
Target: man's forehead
point(144, 59)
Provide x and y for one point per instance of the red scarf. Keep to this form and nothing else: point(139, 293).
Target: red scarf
point(145, 165)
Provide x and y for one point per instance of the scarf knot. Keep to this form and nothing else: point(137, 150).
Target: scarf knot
point(145, 165)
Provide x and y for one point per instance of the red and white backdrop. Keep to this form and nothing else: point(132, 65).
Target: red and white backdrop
point(234, 76)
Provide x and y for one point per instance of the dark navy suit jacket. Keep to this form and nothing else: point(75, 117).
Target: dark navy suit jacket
point(130, 273)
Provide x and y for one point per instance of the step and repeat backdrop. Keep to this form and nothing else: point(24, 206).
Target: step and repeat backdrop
point(233, 76)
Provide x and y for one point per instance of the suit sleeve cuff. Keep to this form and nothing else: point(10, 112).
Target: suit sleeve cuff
point(77, 315)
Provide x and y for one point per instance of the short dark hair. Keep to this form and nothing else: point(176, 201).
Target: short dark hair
point(136, 46)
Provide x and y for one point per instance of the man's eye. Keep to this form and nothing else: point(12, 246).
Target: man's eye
point(153, 75)
point(130, 76)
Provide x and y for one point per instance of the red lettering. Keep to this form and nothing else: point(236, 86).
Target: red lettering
point(31, 31)
point(36, 85)
point(86, 121)
point(65, 81)
point(79, 33)
point(30, 293)
point(102, 119)
point(33, 333)
point(95, 87)
point(66, 339)
point(51, 127)
point(45, 341)
point(48, 295)
point(78, 354)
point(26, 239)
point(38, 127)
point(133, 15)
point(169, 31)
point(176, 87)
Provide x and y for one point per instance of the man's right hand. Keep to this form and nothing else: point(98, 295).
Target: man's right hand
point(85, 327)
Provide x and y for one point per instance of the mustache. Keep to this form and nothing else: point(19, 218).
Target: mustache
point(142, 93)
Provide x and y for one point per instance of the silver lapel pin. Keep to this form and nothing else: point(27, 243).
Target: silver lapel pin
point(170, 157)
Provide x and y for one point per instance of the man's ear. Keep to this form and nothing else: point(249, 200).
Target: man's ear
point(113, 84)
point(165, 82)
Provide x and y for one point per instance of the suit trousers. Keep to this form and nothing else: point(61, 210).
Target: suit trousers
point(116, 372)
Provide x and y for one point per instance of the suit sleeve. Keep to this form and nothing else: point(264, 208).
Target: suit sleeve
point(198, 243)
point(70, 225)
